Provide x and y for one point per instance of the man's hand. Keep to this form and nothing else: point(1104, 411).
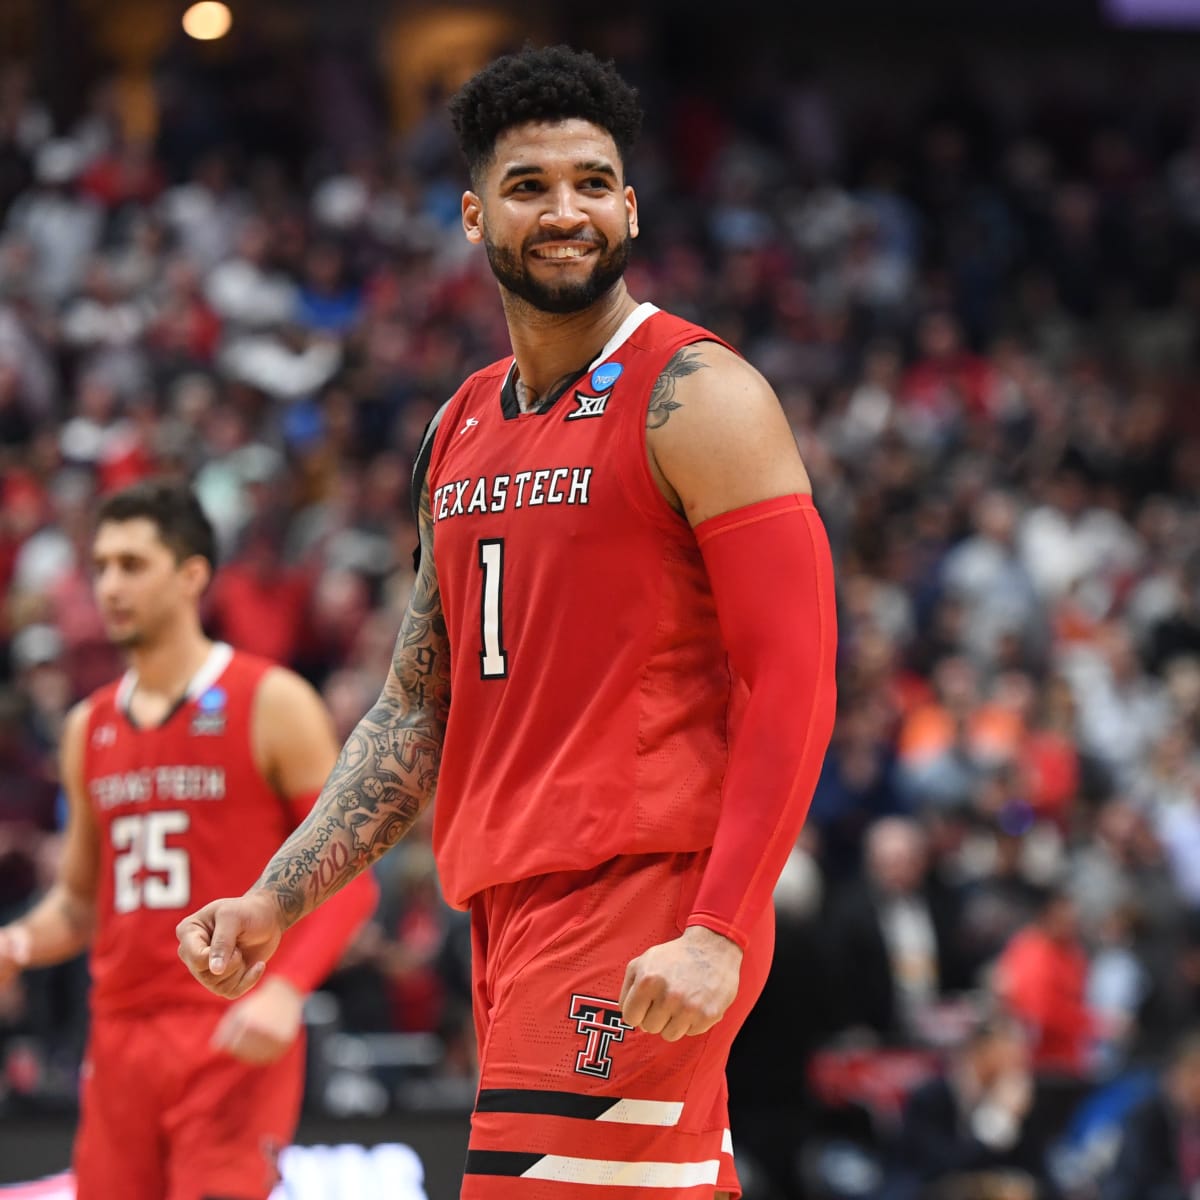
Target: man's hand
point(227, 943)
point(14, 952)
point(260, 1027)
point(683, 987)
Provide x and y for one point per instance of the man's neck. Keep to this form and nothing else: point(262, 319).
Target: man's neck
point(551, 347)
point(165, 668)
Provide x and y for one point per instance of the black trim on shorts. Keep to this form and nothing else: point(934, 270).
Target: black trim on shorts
point(544, 1103)
point(500, 1162)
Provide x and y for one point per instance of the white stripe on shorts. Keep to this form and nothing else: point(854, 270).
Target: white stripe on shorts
point(643, 1112)
point(560, 1169)
point(727, 1142)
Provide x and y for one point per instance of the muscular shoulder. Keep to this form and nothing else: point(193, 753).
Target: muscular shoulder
point(285, 700)
point(292, 732)
point(717, 436)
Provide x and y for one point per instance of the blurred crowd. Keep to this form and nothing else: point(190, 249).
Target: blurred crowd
point(980, 308)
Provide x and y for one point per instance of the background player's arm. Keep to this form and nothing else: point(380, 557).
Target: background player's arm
point(60, 925)
point(384, 777)
point(724, 456)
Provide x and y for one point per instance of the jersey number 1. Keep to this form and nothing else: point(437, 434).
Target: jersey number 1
point(147, 873)
point(493, 658)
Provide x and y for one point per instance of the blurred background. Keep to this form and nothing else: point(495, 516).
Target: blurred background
point(961, 240)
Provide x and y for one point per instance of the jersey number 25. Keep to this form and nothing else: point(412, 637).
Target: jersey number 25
point(147, 873)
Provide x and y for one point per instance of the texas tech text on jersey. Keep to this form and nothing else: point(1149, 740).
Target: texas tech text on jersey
point(524, 489)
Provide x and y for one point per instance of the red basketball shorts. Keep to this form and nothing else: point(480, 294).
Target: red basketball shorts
point(164, 1117)
point(572, 1101)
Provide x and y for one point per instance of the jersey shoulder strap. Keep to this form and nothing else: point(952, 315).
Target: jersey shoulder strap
point(421, 463)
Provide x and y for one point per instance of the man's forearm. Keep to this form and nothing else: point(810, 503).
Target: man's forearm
point(387, 770)
point(383, 778)
point(58, 927)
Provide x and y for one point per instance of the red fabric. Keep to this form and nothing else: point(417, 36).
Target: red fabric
point(938, 384)
point(536, 946)
point(1043, 981)
point(261, 612)
point(772, 576)
point(1051, 770)
point(605, 732)
point(165, 1117)
point(314, 946)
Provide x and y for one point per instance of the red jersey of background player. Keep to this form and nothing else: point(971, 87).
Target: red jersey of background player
point(549, 531)
point(183, 815)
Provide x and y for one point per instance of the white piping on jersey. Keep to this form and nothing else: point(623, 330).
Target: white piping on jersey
point(639, 316)
point(607, 1172)
point(219, 657)
point(625, 331)
point(643, 1112)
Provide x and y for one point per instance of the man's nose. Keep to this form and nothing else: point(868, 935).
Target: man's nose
point(563, 210)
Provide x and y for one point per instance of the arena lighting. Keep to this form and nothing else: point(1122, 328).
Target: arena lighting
point(207, 21)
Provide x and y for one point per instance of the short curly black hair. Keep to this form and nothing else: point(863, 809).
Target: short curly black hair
point(554, 83)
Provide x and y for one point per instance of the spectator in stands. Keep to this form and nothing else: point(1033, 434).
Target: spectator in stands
point(969, 1131)
point(892, 935)
point(1042, 978)
point(1159, 1157)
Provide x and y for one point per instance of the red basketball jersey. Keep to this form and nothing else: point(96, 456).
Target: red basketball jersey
point(184, 817)
point(590, 685)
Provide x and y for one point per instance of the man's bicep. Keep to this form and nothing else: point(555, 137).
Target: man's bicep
point(718, 436)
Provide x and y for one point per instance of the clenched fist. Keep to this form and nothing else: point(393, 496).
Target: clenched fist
point(227, 943)
point(682, 988)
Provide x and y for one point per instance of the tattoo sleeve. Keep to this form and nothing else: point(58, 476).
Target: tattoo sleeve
point(662, 399)
point(387, 771)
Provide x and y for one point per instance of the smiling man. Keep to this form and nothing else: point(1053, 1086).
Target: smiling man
point(616, 671)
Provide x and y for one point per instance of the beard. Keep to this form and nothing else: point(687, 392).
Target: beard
point(126, 639)
point(560, 298)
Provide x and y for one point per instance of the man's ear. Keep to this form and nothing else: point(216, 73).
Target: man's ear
point(197, 574)
point(472, 217)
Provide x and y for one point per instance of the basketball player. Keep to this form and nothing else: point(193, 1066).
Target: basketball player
point(616, 669)
point(182, 777)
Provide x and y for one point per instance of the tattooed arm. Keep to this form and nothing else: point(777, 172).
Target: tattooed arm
point(384, 777)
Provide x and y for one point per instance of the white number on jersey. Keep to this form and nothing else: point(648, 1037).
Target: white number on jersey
point(493, 658)
point(147, 873)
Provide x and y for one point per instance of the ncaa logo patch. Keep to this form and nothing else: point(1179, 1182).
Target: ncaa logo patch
point(601, 382)
point(604, 376)
point(209, 721)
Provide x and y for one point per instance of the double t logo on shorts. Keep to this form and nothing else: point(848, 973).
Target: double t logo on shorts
point(600, 1022)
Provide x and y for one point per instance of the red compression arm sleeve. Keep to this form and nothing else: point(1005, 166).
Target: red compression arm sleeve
point(771, 574)
point(314, 946)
